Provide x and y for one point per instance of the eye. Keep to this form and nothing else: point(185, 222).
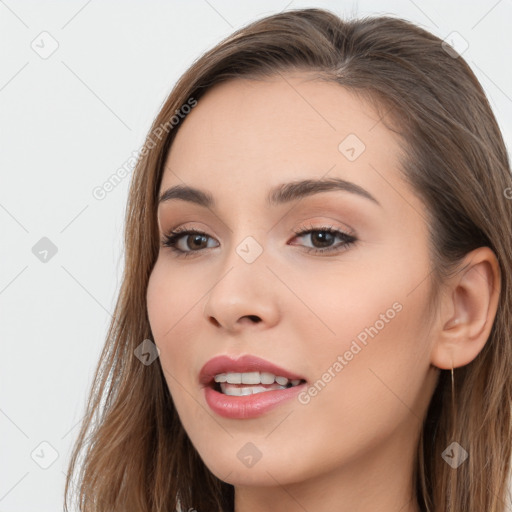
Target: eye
point(324, 237)
point(194, 241)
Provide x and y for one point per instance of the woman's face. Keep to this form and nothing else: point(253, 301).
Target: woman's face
point(349, 321)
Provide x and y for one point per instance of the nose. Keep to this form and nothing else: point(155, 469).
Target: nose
point(245, 295)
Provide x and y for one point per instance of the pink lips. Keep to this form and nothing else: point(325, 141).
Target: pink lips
point(249, 406)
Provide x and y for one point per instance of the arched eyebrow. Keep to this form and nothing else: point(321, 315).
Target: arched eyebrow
point(281, 194)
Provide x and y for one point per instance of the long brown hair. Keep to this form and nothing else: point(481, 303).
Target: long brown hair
point(137, 455)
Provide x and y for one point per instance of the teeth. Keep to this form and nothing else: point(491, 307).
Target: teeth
point(253, 378)
point(250, 378)
point(246, 390)
point(234, 378)
point(267, 378)
point(251, 382)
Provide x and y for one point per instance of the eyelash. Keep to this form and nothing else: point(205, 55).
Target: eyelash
point(171, 239)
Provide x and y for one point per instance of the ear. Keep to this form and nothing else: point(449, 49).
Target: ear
point(468, 308)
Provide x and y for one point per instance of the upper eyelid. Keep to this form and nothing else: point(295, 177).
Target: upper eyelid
point(312, 224)
point(313, 206)
point(183, 229)
point(346, 230)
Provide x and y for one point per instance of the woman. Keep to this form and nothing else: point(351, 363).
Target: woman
point(316, 307)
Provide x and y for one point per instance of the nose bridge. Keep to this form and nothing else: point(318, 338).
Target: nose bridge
point(242, 288)
point(249, 235)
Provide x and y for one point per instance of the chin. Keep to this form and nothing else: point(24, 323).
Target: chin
point(241, 476)
point(265, 472)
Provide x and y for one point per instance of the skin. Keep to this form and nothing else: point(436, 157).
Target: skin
point(335, 452)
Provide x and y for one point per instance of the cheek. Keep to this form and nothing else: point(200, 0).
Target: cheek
point(338, 305)
point(375, 367)
point(363, 391)
point(369, 331)
point(170, 305)
point(175, 316)
point(171, 299)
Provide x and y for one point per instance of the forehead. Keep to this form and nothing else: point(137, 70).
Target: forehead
point(286, 108)
point(255, 134)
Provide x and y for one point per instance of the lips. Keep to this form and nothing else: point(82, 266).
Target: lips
point(246, 401)
point(244, 364)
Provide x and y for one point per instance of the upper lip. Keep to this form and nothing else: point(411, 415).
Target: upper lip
point(243, 364)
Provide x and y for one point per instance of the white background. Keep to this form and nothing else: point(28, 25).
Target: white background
point(68, 122)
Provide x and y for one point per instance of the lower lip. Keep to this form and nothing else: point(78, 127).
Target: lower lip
point(249, 406)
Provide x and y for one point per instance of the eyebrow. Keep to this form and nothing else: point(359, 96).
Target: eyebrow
point(281, 194)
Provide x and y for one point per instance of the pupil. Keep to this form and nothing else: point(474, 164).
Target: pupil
point(324, 237)
point(198, 238)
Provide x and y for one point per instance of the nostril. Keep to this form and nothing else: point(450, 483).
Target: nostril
point(214, 321)
point(252, 318)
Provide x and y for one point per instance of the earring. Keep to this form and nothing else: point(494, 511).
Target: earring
point(453, 397)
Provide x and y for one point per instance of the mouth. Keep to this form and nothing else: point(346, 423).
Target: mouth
point(247, 387)
point(251, 383)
